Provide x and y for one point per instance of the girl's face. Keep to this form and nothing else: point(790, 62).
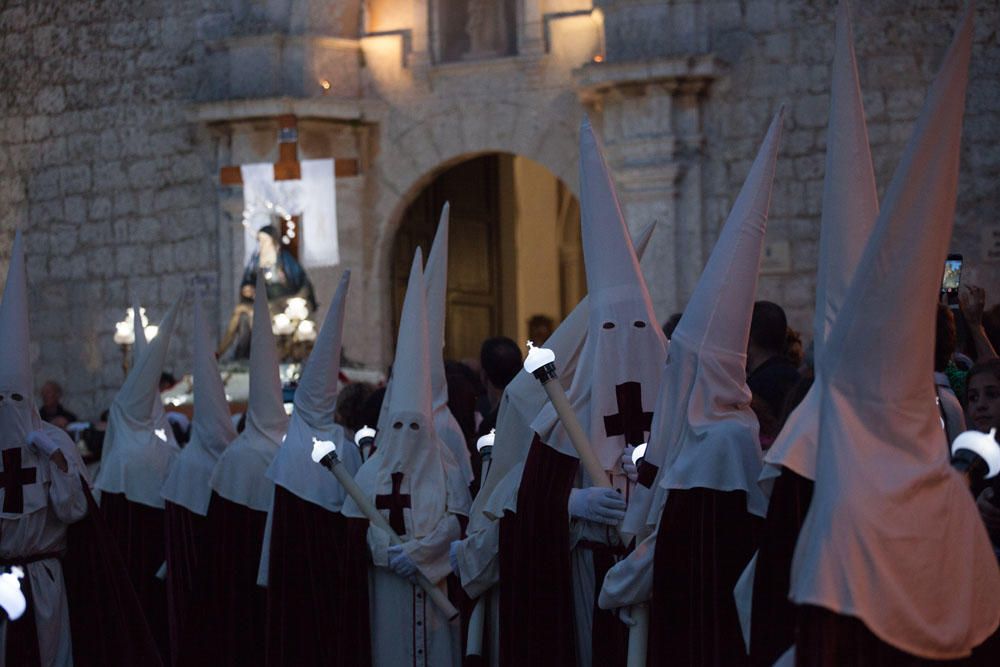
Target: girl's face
point(984, 402)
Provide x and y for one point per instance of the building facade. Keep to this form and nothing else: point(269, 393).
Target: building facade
point(117, 119)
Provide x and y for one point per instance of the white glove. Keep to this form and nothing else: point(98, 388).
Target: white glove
point(401, 563)
point(41, 441)
point(597, 504)
point(627, 466)
point(453, 556)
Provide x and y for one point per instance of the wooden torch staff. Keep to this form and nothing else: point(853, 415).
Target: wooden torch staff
point(638, 635)
point(477, 620)
point(325, 453)
point(542, 364)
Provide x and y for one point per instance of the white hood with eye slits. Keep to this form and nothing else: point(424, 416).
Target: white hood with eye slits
point(18, 415)
point(615, 383)
point(521, 402)
point(409, 445)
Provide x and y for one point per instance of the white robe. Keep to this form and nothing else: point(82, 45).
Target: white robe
point(43, 531)
point(478, 556)
point(407, 629)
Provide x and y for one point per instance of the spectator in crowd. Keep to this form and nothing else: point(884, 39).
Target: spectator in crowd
point(372, 407)
point(540, 327)
point(51, 409)
point(671, 324)
point(180, 425)
point(983, 413)
point(93, 440)
point(793, 347)
point(770, 373)
point(972, 301)
point(944, 349)
point(464, 390)
point(167, 381)
point(350, 406)
point(500, 361)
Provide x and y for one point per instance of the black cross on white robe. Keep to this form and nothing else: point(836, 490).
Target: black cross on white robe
point(395, 502)
point(13, 479)
point(630, 421)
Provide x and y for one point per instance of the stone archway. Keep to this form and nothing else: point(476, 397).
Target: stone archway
point(515, 249)
point(422, 149)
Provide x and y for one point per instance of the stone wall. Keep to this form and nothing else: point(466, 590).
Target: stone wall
point(109, 159)
point(101, 166)
point(777, 52)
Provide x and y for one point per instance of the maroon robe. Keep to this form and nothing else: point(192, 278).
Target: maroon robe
point(139, 532)
point(609, 639)
point(21, 647)
point(107, 625)
point(772, 624)
point(227, 612)
point(536, 587)
point(828, 639)
point(316, 586)
point(705, 540)
point(185, 545)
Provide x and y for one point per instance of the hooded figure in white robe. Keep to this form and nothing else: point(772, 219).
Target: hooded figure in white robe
point(849, 209)
point(139, 449)
point(303, 544)
point(412, 480)
point(476, 558)
point(893, 561)
point(41, 492)
point(564, 536)
point(186, 491)
point(228, 625)
point(696, 520)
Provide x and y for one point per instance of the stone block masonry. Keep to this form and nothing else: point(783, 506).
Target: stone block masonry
point(104, 163)
point(104, 170)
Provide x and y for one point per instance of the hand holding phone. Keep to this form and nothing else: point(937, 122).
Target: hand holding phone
point(952, 279)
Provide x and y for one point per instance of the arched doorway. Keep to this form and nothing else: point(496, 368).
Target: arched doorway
point(514, 251)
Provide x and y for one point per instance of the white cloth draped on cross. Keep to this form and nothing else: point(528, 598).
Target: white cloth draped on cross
point(313, 197)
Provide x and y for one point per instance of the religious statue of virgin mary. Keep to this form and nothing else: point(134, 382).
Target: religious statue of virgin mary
point(285, 279)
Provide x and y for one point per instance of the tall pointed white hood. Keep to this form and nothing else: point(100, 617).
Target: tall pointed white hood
point(411, 459)
point(139, 445)
point(704, 432)
point(524, 398)
point(614, 388)
point(892, 536)
point(211, 428)
point(15, 358)
point(18, 416)
point(850, 206)
point(436, 279)
point(138, 349)
point(313, 417)
point(239, 476)
point(316, 395)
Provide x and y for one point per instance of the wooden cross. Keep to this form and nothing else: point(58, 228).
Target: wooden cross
point(395, 502)
point(630, 421)
point(287, 168)
point(13, 479)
